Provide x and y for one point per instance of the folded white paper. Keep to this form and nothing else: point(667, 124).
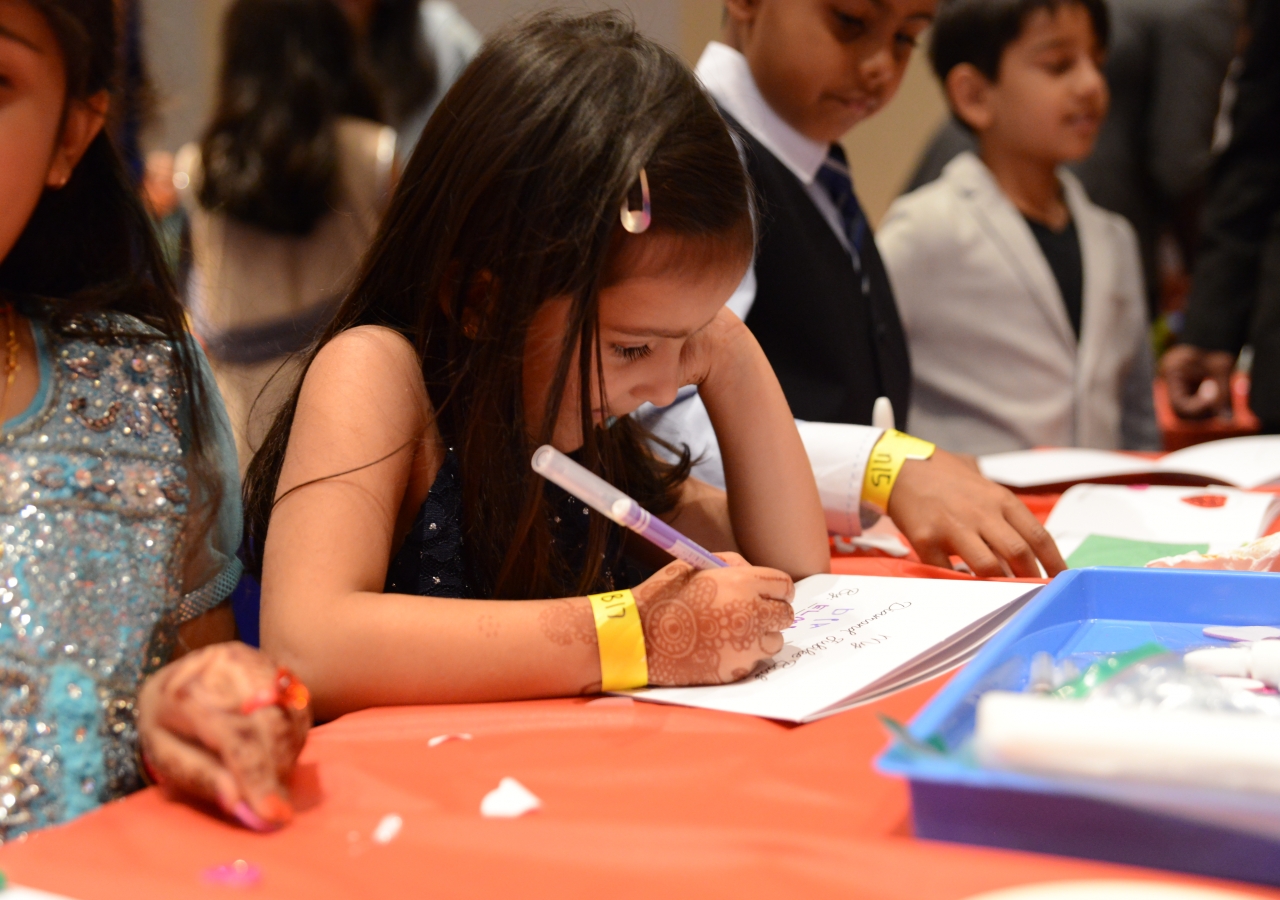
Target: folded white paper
point(858, 638)
point(1243, 462)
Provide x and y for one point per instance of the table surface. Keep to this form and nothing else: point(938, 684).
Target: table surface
point(639, 800)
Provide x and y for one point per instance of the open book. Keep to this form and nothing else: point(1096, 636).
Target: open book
point(858, 638)
point(1243, 462)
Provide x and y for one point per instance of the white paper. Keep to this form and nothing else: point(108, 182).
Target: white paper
point(18, 892)
point(857, 638)
point(1061, 465)
point(509, 800)
point(1244, 462)
point(1160, 514)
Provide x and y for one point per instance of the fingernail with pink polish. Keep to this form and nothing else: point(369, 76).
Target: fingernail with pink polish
point(251, 819)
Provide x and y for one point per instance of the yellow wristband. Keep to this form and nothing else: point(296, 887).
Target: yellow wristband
point(890, 452)
point(623, 664)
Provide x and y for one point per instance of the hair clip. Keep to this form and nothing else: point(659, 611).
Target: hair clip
point(637, 222)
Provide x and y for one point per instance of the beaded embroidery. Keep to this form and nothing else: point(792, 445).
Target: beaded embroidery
point(93, 496)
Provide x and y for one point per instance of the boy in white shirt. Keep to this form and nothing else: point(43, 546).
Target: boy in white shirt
point(792, 77)
point(1022, 301)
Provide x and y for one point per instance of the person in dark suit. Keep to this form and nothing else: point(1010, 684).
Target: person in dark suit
point(1165, 67)
point(792, 77)
point(1235, 294)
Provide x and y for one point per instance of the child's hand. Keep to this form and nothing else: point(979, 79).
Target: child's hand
point(717, 341)
point(712, 626)
point(943, 506)
point(224, 724)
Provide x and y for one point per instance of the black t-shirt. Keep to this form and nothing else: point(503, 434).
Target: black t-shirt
point(1062, 250)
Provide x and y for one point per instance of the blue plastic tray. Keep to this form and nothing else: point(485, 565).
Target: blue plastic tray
point(1209, 832)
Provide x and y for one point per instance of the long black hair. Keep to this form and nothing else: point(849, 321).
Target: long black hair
point(270, 154)
point(89, 247)
point(400, 59)
point(517, 183)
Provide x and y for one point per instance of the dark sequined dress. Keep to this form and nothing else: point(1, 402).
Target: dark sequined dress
point(432, 560)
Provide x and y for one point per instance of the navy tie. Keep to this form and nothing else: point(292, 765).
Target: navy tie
point(838, 183)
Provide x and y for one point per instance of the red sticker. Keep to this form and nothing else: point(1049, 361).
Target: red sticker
point(1207, 501)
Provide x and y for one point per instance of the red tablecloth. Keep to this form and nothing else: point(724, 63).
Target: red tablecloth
point(639, 800)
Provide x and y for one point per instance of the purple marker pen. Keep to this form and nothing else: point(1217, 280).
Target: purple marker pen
point(607, 500)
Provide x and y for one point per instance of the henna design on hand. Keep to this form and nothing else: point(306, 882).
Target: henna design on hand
point(488, 625)
point(686, 631)
point(564, 622)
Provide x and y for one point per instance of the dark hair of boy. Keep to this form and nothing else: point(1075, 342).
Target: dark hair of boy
point(512, 197)
point(90, 247)
point(399, 58)
point(978, 32)
point(270, 154)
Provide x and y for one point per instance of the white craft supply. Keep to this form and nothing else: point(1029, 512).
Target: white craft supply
point(1232, 661)
point(1242, 632)
point(1047, 735)
point(509, 800)
point(1259, 660)
point(445, 738)
point(1234, 683)
point(387, 829)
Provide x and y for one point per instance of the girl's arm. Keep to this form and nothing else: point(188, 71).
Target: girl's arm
point(329, 544)
point(772, 512)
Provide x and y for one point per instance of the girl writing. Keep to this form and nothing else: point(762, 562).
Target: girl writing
point(119, 515)
point(559, 252)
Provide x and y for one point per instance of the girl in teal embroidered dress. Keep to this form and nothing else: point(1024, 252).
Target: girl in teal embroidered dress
point(119, 502)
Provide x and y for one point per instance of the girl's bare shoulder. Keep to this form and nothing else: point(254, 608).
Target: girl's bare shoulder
point(369, 371)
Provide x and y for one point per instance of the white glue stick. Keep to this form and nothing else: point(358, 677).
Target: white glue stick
point(1035, 733)
point(1259, 660)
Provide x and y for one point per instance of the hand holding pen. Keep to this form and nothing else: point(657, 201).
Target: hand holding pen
point(610, 502)
point(707, 619)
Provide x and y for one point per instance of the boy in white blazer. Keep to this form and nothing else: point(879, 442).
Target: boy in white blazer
point(1022, 301)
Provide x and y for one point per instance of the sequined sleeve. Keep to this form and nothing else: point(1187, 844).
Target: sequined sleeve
point(215, 569)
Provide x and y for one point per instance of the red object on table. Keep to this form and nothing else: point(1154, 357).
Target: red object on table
point(1179, 433)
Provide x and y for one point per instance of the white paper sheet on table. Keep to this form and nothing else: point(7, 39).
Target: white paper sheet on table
point(1161, 515)
point(1243, 462)
point(858, 638)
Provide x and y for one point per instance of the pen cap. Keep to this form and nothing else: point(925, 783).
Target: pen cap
point(588, 487)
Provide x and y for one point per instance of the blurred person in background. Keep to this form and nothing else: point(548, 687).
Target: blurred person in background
point(1165, 68)
point(1235, 292)
point(284, 193)
point(131, 114)
point(414, 50)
